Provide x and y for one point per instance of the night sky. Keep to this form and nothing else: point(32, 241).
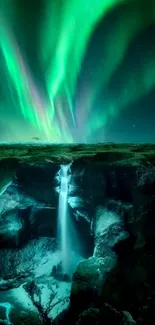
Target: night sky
point(77, 70)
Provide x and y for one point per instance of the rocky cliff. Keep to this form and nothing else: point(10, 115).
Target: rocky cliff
point(111, 205)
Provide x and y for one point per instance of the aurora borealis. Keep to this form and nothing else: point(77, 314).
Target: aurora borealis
point(77, 70)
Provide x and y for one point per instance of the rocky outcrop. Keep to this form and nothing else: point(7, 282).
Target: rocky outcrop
point(88, 281)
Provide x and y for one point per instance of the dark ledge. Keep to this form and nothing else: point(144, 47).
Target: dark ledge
point(107, 154)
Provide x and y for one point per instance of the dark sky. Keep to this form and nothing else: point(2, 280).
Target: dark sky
point(116, 76)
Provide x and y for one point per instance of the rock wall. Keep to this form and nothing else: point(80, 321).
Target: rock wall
point(120, 272)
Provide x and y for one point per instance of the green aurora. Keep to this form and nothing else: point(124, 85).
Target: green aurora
point(69, 107)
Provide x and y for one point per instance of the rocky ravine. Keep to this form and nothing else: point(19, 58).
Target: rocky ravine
point(112, 205)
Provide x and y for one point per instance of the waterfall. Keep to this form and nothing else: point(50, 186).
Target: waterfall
point(63, 217)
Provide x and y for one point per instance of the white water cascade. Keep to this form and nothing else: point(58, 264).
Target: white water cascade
point(63, 217)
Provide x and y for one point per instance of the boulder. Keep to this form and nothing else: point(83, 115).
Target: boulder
point(88, 281)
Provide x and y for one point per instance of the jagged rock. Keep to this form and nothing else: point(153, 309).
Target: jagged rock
point(88, 280)
point(109, 231)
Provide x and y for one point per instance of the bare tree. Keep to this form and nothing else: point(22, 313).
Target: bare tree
point(34, 293)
